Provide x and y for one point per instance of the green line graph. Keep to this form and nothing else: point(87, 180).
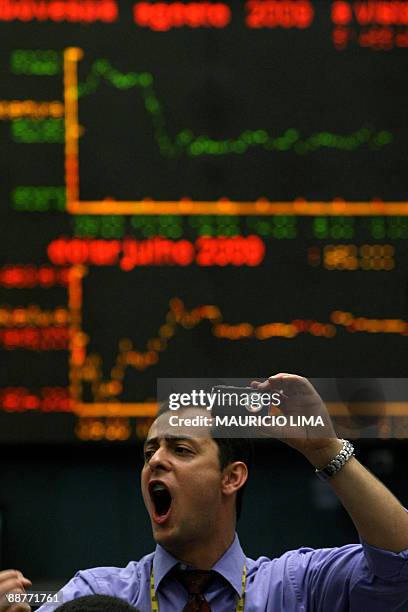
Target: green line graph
point(192, 145)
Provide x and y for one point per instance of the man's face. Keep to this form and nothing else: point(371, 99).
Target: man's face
point(181, 483)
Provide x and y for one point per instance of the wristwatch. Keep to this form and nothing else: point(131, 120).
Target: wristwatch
point(337, 462)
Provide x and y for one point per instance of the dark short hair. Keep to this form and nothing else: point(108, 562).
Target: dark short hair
point(229, 450)
point(96, 603)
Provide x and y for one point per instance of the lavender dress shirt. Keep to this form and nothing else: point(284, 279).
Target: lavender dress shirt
point(355, 578)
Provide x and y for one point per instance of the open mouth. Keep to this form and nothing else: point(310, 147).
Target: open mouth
point(161, 498)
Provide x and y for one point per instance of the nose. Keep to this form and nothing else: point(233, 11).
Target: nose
point(160, 459)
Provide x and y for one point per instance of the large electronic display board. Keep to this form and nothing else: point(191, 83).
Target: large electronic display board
point(196, 189)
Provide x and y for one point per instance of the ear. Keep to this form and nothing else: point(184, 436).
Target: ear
point(234, 477)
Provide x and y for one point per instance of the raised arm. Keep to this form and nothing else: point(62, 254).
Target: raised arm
point(377, 515)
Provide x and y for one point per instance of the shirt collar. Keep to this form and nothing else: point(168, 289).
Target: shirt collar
point(163, 562)
point(230, 566)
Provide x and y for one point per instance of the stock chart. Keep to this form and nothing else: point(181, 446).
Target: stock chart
point(196, 189)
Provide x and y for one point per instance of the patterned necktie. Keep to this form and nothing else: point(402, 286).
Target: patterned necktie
point(195, 582)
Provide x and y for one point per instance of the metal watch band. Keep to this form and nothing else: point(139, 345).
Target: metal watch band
point(337, 462)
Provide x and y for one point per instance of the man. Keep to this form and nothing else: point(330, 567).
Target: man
point(191, 500)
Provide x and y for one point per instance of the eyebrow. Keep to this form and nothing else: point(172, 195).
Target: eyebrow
point(155, 441)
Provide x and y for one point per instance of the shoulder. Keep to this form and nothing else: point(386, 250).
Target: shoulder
point(296, 567)
point(300, 576)
point(305, 559)
point(121, 582)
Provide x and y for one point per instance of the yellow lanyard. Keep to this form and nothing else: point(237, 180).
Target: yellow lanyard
point(155, 604)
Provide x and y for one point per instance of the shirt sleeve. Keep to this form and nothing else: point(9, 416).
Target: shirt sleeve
point(350, 578)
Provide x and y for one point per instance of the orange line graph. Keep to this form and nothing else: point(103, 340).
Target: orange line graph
point(185, 206)
point(88, 368)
